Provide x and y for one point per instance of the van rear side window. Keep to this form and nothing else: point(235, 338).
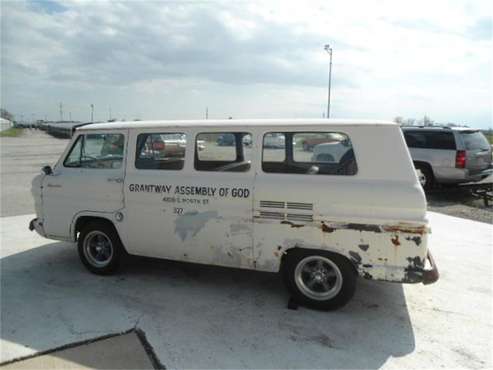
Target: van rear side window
point(223, 151)
point(310, 153)
point(160, 151)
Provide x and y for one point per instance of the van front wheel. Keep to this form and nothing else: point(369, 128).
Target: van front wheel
point(99, 248)
point(319, 279)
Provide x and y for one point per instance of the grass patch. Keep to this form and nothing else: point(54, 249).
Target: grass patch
point(11, 132)
point(489, 137)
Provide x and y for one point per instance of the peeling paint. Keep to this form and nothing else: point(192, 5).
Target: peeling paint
point(292, 224)
point(240, 228)
point(355, 257)
point(327, 229)
point(395, 240)
point(189, 224)
point(415, 239)
point(406, 229)
point(364, 247)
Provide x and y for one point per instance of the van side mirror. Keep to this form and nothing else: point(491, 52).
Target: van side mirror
point(47, 170)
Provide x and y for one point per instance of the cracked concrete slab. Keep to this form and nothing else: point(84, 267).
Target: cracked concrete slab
point(116, 352)
point(207, 317)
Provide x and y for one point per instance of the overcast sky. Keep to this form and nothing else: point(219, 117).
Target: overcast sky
point(171, 60)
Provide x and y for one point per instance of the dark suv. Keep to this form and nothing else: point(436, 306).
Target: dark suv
point(446, 155)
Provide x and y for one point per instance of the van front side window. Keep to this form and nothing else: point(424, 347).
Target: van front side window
point(161, 151)
point(97, 151)
point(310, 153)
point(223, 151)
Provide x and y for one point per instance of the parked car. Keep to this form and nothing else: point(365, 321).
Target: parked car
point(446, 155)
point(274, 141)
point(319, 224)
point(329, 152)
point(226, 140)
point(168, 145)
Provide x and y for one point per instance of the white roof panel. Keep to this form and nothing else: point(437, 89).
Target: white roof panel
point(232, 123)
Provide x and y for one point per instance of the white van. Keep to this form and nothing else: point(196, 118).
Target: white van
point(117, 188)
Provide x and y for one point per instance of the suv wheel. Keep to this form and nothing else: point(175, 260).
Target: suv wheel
point(425, 176)
point(319, 279)
point(100, 248)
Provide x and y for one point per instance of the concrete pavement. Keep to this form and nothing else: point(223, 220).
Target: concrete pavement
point(198, 316)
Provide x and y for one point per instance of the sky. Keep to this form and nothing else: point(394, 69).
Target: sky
point(248, 59)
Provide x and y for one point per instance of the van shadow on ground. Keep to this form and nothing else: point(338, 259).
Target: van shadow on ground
point(194, 316)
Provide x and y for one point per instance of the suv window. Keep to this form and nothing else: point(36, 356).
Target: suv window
point(311, 153)
point(430, 140)
point(475, 140)
point(160, 151)
point(96, 151)
point(223, 151)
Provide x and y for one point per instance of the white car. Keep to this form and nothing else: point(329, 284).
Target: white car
point(319, 223)
point(274, 140)
point(329, 152)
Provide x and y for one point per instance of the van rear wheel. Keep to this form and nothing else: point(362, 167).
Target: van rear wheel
point(100, 248)
point(319, 279)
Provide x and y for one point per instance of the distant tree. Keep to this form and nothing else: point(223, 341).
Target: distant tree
point(427, 121)
point(399, 120)
point(4, 113)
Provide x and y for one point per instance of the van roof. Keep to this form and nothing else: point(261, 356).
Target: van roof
point(232, 123)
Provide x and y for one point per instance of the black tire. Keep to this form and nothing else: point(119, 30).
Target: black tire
point(93, 236)
point(428, 180)
point(340, 294)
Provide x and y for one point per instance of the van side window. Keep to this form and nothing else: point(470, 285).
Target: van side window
point(73, 158)
point(223, 151)
point(160, 151)
point(97, 151)
point(310, 153)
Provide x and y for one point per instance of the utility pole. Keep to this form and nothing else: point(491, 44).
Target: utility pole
point(206, 112)
point(328, 49)
point(61, 112)
point(92, 112)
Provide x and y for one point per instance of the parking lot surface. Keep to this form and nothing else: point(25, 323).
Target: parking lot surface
point(21, 158)
point(207, 317)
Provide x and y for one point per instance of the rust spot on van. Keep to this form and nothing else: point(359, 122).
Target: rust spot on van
point(327, 229)
point(364, 227)
point(395, 240)
point(406, 229)
point(292, 224)
point(415, 239)
point(355, 257)
point(414, 271)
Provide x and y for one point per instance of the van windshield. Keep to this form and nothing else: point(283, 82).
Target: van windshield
point(475, 140)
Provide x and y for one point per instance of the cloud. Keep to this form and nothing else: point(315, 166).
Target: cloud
point(146, 57)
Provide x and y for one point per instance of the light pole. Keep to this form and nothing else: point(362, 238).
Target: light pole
point(92, 112)
point(328, 49)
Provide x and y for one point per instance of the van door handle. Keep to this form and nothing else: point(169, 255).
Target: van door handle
point(118, 180)
point(53, 185)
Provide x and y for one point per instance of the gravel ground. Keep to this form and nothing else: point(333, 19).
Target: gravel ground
point(21, 158)
point(459, 203)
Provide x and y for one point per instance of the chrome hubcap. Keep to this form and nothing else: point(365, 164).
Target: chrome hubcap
point(318, 278)
point(421, 177)
point(98, 249)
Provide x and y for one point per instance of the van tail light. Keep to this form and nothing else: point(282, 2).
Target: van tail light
point(460, 159)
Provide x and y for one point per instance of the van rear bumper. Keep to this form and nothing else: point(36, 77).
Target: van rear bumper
point(37, 224)
point(430, 275)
